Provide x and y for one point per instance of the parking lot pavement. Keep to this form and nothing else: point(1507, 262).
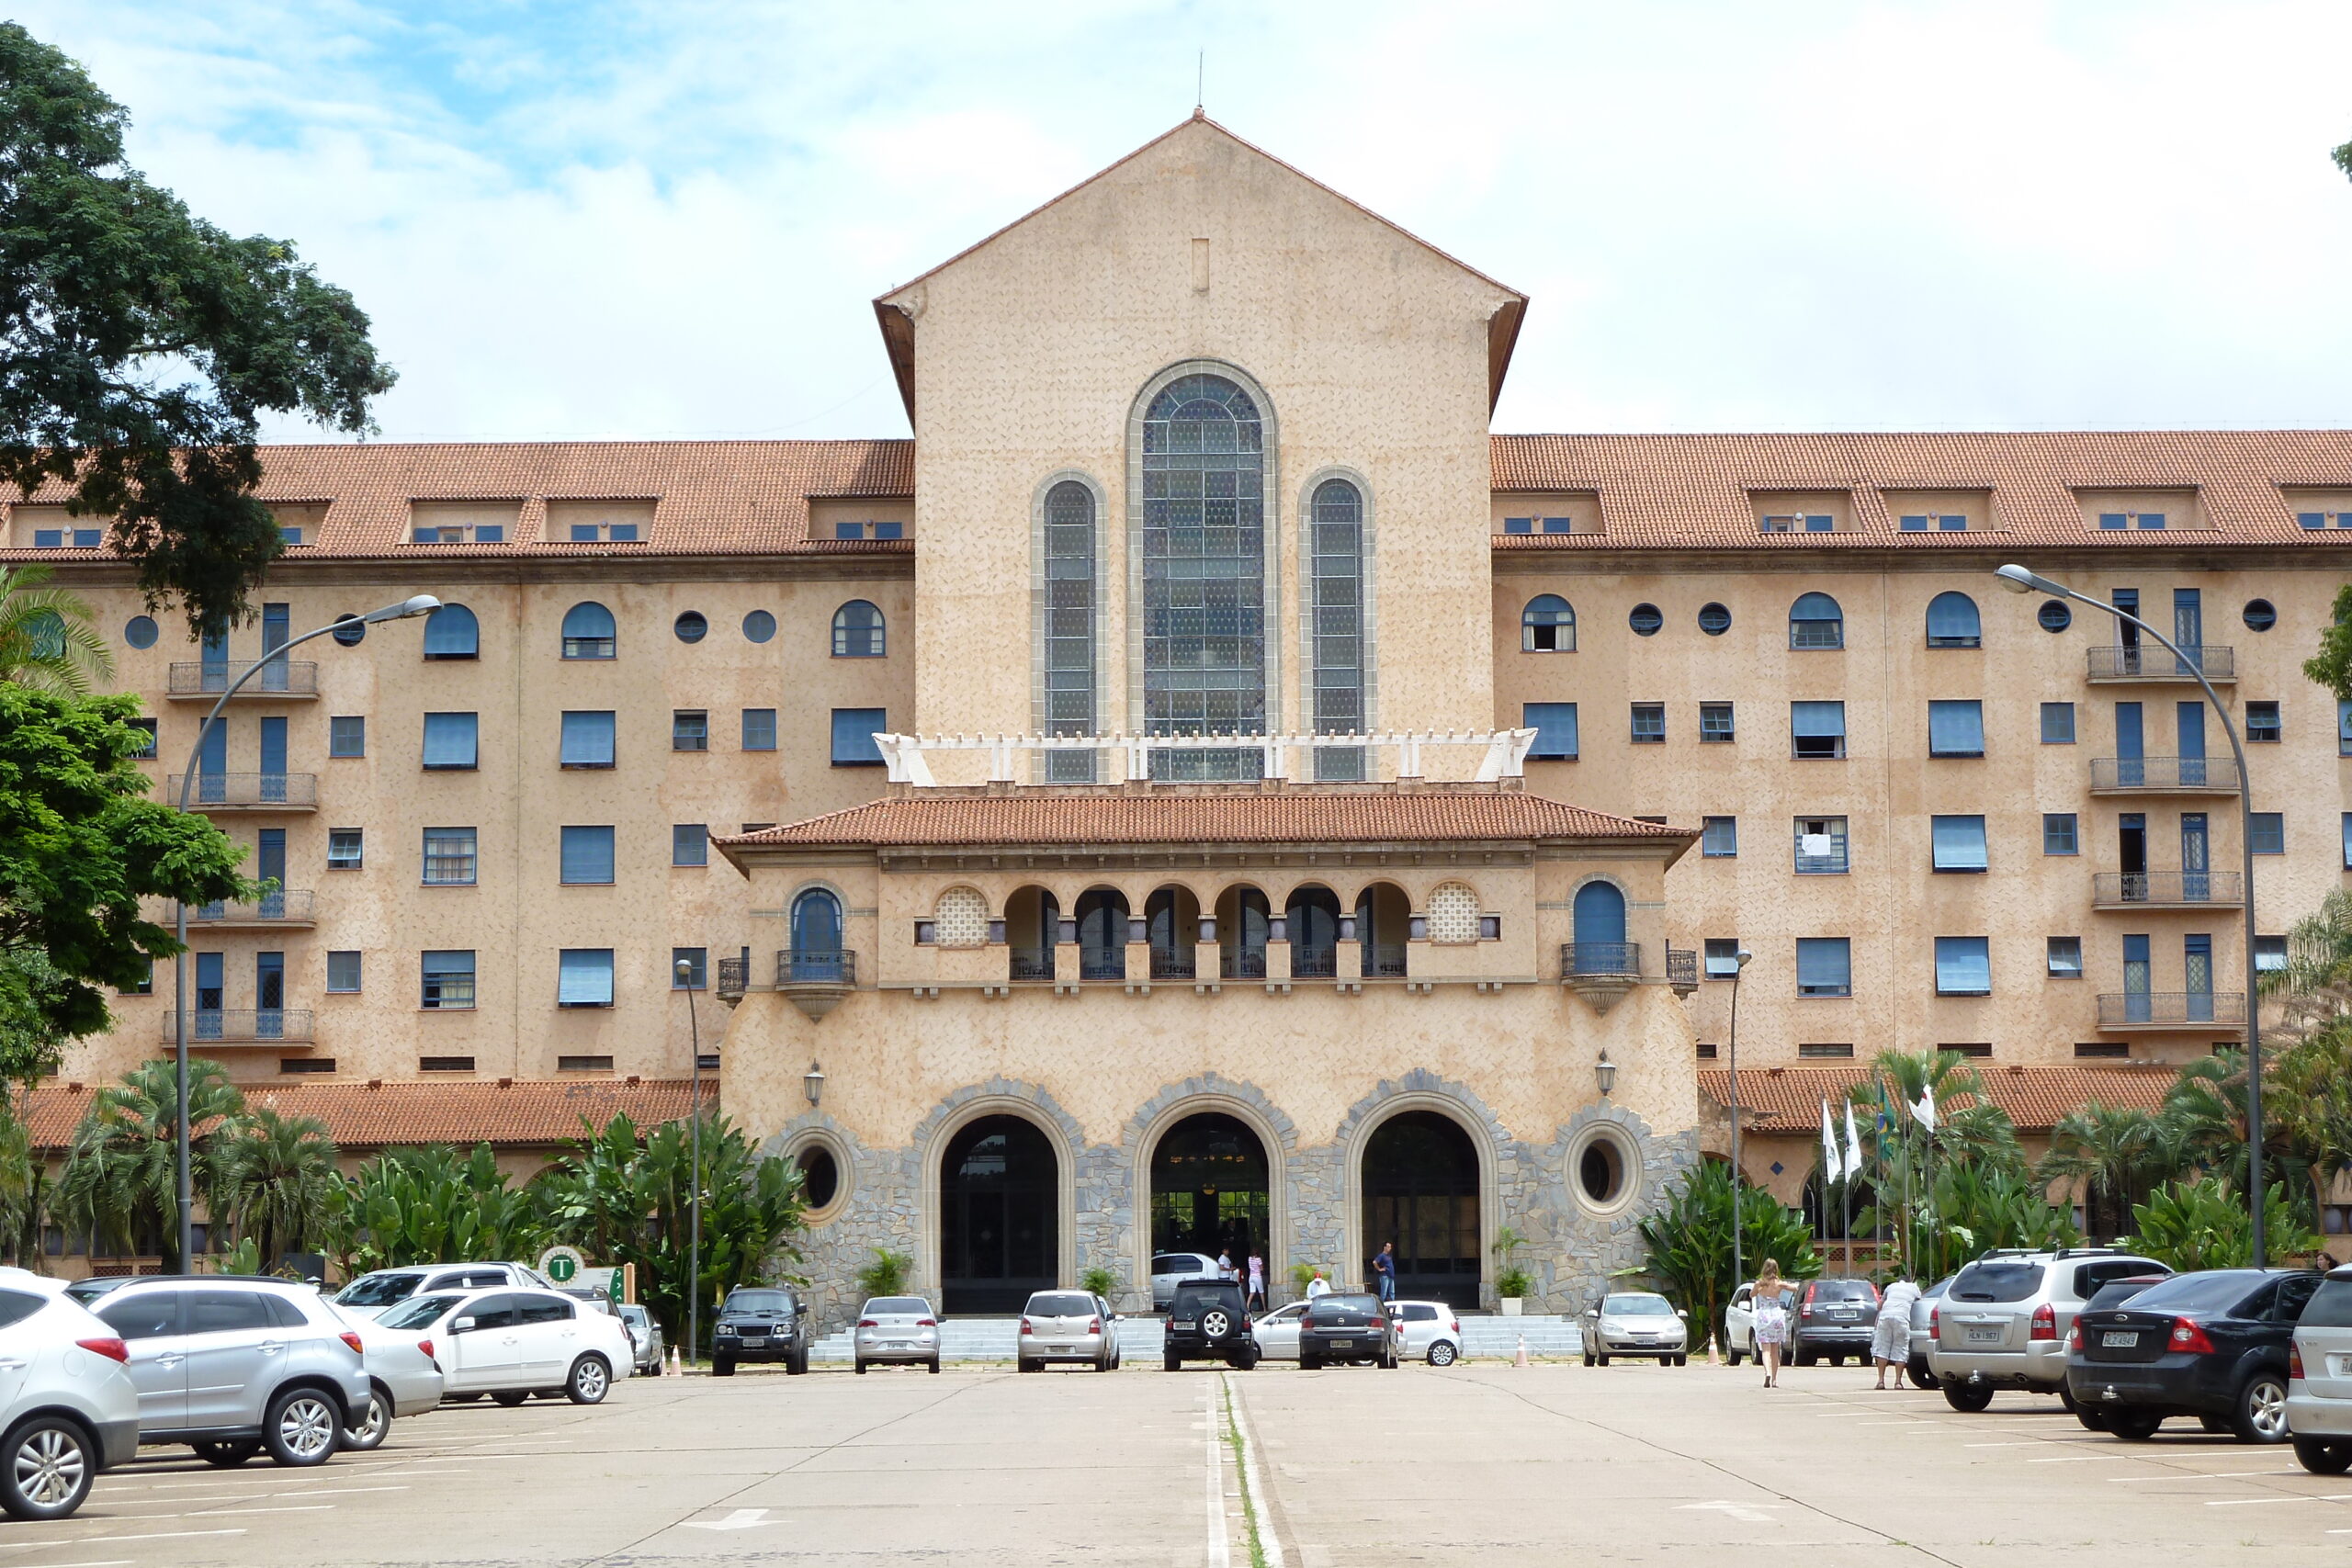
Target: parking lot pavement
point(982, 1466)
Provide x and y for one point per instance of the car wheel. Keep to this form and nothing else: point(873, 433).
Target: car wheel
point(591, 1379)
point(512, 1397)
point(861, 1366)
point(1308, 1363)
point(1024, 1364)
point(50, 1463)
point(1587, 1358)
point(1735, 1356)
point(1801, 1359)
point(1920, 1376)
point(935, 1363)
point(372, 1428)
point(2260, 1415)
point(797, 1366)
point(302, 1428)
point(719, 1369)
point(2323, 1457)
point(1967, 1398)
point(1602, 1360)
point(1442, 1353)
point(228, 1453)
point(1169, 1360)
point(2219, 1426)
point(1683, 1360)
point(2092, 1420)
point(2133, 1425)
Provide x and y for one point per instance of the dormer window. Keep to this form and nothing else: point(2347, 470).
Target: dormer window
point(2119, 522)
point(1932, 523)
point(574, 522)
point(882, 528)
point(2319, 520)
point(459, 534)
point(1799, 522)
point(58, 538)
point(603, 533)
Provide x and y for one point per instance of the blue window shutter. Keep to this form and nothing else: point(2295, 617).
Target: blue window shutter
point(584, 977)
point(854, 733)
point(1914, 525)
point(1818, 718)
point(451, 739)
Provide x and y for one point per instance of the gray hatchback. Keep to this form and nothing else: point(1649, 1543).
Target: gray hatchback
point(231, 1366)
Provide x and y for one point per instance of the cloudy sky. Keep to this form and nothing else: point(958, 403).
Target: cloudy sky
point(665, 217)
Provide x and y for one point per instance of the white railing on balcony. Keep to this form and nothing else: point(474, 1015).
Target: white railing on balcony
point(1480, 756)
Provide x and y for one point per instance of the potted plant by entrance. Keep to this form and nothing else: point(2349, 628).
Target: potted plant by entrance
point(1512, 1284)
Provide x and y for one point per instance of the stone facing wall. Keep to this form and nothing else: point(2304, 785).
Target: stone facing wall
point(1571, 1250)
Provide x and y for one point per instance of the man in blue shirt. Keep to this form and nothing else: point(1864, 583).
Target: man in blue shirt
point(1384, 1266)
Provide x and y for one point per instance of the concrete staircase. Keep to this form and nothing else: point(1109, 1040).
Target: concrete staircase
point(1140, 1339)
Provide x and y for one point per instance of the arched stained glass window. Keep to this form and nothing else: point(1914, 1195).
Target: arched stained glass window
point(1335, 630)
point(1204, 529)
point(1069, 629)
point(858, 632)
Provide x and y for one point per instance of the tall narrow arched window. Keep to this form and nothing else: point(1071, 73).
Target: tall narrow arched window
point(1952, 622)
point(588, 631)
point(1068, 609)
point(1203, 536)
point(451, 632)
point(1547, 625)
point(816, 935)
point(1335, 630)
point(1600, 917)
point(1815, 621)
point(858, 632)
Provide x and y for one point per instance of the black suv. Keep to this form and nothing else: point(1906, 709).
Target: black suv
point(760, 1323)
point(1208, 1320)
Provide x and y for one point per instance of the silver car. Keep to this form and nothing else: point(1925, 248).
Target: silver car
point(67, 1406)
point(233, 1366)
point(1068, 1326)
point(1922, 1312)
point(1637, 1324)
point(2003, 1321)
point(896, 1329)
point(371, 1294)
point(645, 1334)
point(402, 1379)
point(1169, 1268)
point(2319, 1378)
point(1429, 1330)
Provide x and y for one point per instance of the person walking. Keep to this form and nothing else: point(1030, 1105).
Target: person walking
point(1256, 1299)
point(1891, 1339)
point(1772, 1306)
point(1224, 1263)
point(1318, 1286)
point(1384, 1266)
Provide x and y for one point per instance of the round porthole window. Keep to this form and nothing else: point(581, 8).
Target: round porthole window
point(691, 626)
point(140, 631)
point(1714, 619)
point(2054, 615)
point(758, 626)
point(1645, 620)
point(349, 630)
point(1606, 1167)
point(820, 1177)
point(2260, 615)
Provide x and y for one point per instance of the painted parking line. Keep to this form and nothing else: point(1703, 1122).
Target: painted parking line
point(340, 1491)
point(104, 1562)
point(2241, 1502)
point(2204, 1474)
point(2076, 1459)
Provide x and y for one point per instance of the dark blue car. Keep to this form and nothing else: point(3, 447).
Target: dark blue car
point(2212, 1345)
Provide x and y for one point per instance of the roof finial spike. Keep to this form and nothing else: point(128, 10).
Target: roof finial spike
point(1200, 85)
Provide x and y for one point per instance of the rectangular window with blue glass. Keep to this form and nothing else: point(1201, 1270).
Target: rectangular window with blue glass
point(1555, 731)
point(854, 733)
point(1825, 966)
point(1963, 966)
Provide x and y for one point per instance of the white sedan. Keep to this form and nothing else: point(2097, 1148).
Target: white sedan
point(1277, 1332)
point(402, 1377)
point(512, 1344)
point(1428, 1330)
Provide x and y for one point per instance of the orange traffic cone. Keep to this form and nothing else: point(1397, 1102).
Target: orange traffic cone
point(1521, 1358)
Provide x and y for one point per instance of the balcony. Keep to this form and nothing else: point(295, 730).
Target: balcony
point(286, 680)
point(2148, 663)
point(1029, 963)
point(733, 978)
point(2163, 775)
point(2168, 890)
point(1101, 963)
point(1174, 963)
point(1241, 963)
point(241, 1026)
point(248, 792)
point(1600, 972)
point(815, 979)
point(1384, 961)
point(2131, 1012)
point(288, 907)
point(1314, 962)
point(1682, 969)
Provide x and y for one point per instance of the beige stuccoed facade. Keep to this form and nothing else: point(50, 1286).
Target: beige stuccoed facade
point(1012, 1102)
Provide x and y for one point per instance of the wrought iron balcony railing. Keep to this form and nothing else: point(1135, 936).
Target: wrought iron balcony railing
point(241, 1026)
point(286, 906)
point(2162, 887)
point(1579, 959)
point(285, 678)
point(816, 967)
point(2152, 661)
point(252, 792)
point(2158, 775)
point(2173, 1009)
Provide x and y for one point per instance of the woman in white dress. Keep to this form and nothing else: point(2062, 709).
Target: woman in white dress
point(1772, 1306)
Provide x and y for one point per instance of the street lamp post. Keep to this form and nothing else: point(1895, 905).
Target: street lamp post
point(685, 971)
point(2017, 579)
point(1739, 966)
point(421, 604)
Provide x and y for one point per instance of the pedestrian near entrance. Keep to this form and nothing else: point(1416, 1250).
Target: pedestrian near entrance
point(1318, 1286)
point(1224, 1264)
point(1772, 1320)
point(1256, 1286)
point(1384, 1266)
point(1890, 1341)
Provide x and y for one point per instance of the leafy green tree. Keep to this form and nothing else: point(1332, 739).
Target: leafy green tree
point(2332, 665)
point(1690, 1241)
point(2205, 1113)
point(47, 640)
point(80, 845)
point(277, 1181)
point(140, 344)
point(25, 1190)
point(429, 1205)
point(1971, 1209)
point(1910, 1166)
point(2207, 1224)
point(2116, 1152)
point(32, 993)
point(623, 1196)
point(120, 1184)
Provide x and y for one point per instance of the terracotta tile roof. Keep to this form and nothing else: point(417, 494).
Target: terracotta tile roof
point(1693, 491)
point(1788, 1099)
point(1175, 815)
point(523, 1113)
point(713, 497)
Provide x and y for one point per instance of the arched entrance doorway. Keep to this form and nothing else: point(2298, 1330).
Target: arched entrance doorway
point(1420, 1193)
point(1209, 1188)
point(999, 1199)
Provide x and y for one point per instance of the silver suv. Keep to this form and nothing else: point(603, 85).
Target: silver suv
point(231, 1366)
point(2003, 1321)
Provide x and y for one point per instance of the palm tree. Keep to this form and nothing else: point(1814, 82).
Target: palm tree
point(25, 1190)
point(275, 1178)
point(1907, 1162)
point(121, 1185)
point(2316, 986)
point(47, 641)
point(2118, 1152)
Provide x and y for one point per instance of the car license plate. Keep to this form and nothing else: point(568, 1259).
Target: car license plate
point(1984, 1334)
point(1844, 1313)
point(2118, 1339)
point(753, 1341)
point(1344, 1344)
point(1182, 1323)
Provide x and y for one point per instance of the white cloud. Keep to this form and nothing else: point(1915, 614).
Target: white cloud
point(645, 219)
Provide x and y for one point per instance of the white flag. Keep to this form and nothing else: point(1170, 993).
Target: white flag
point(1853, 1144)
point(1830, 1171)
point(1925, 1109)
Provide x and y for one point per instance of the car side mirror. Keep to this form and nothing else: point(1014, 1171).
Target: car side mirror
point(461, 1325)
point(1682, 1314)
